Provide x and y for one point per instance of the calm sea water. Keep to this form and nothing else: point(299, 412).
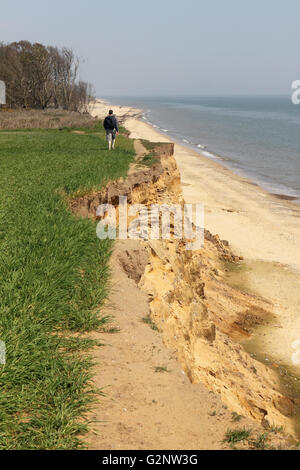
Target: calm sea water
point(256, 136)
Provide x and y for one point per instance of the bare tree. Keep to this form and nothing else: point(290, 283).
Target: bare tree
point(39, 77)
point(83, 94)
point(70, 65)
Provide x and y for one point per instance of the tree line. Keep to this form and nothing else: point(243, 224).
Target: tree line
point(40, 77)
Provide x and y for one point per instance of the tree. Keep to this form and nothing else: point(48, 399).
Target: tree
point(37, 76)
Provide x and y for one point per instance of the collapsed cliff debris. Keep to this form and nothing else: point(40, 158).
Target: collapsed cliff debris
point(197, 312)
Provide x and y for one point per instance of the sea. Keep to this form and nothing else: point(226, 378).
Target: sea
point(255, 136)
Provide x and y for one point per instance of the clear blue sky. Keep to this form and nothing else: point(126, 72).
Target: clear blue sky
point(168, 46)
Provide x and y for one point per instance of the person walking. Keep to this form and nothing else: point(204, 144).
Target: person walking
point(112, 129)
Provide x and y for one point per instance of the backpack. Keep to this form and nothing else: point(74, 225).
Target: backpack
point(109, 123)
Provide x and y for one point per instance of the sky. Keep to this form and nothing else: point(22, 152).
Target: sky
point(168, 47)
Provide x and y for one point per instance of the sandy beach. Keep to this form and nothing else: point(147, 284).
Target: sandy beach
point(260, 227)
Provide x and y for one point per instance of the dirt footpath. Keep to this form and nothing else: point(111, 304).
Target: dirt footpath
point(149, 403)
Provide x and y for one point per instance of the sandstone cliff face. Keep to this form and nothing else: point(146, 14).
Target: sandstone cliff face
point(204, 336)
point(198, 314)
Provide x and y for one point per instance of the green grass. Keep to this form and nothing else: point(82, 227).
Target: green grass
point(53, 279)
point(161, 369)
point(237, 435)
point(260, 443)
point(149, 145)
point(148, 321)
point(148, 160)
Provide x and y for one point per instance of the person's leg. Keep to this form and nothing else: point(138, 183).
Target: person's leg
point(113, 139)
point(109, 139)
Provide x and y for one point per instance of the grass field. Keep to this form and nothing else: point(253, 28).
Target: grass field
point(43, 119)
point(53, 278)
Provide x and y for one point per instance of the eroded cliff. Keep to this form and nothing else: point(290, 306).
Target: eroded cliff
point(198, 313)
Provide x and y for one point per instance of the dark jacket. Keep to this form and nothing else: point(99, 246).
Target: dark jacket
point(111, 123)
